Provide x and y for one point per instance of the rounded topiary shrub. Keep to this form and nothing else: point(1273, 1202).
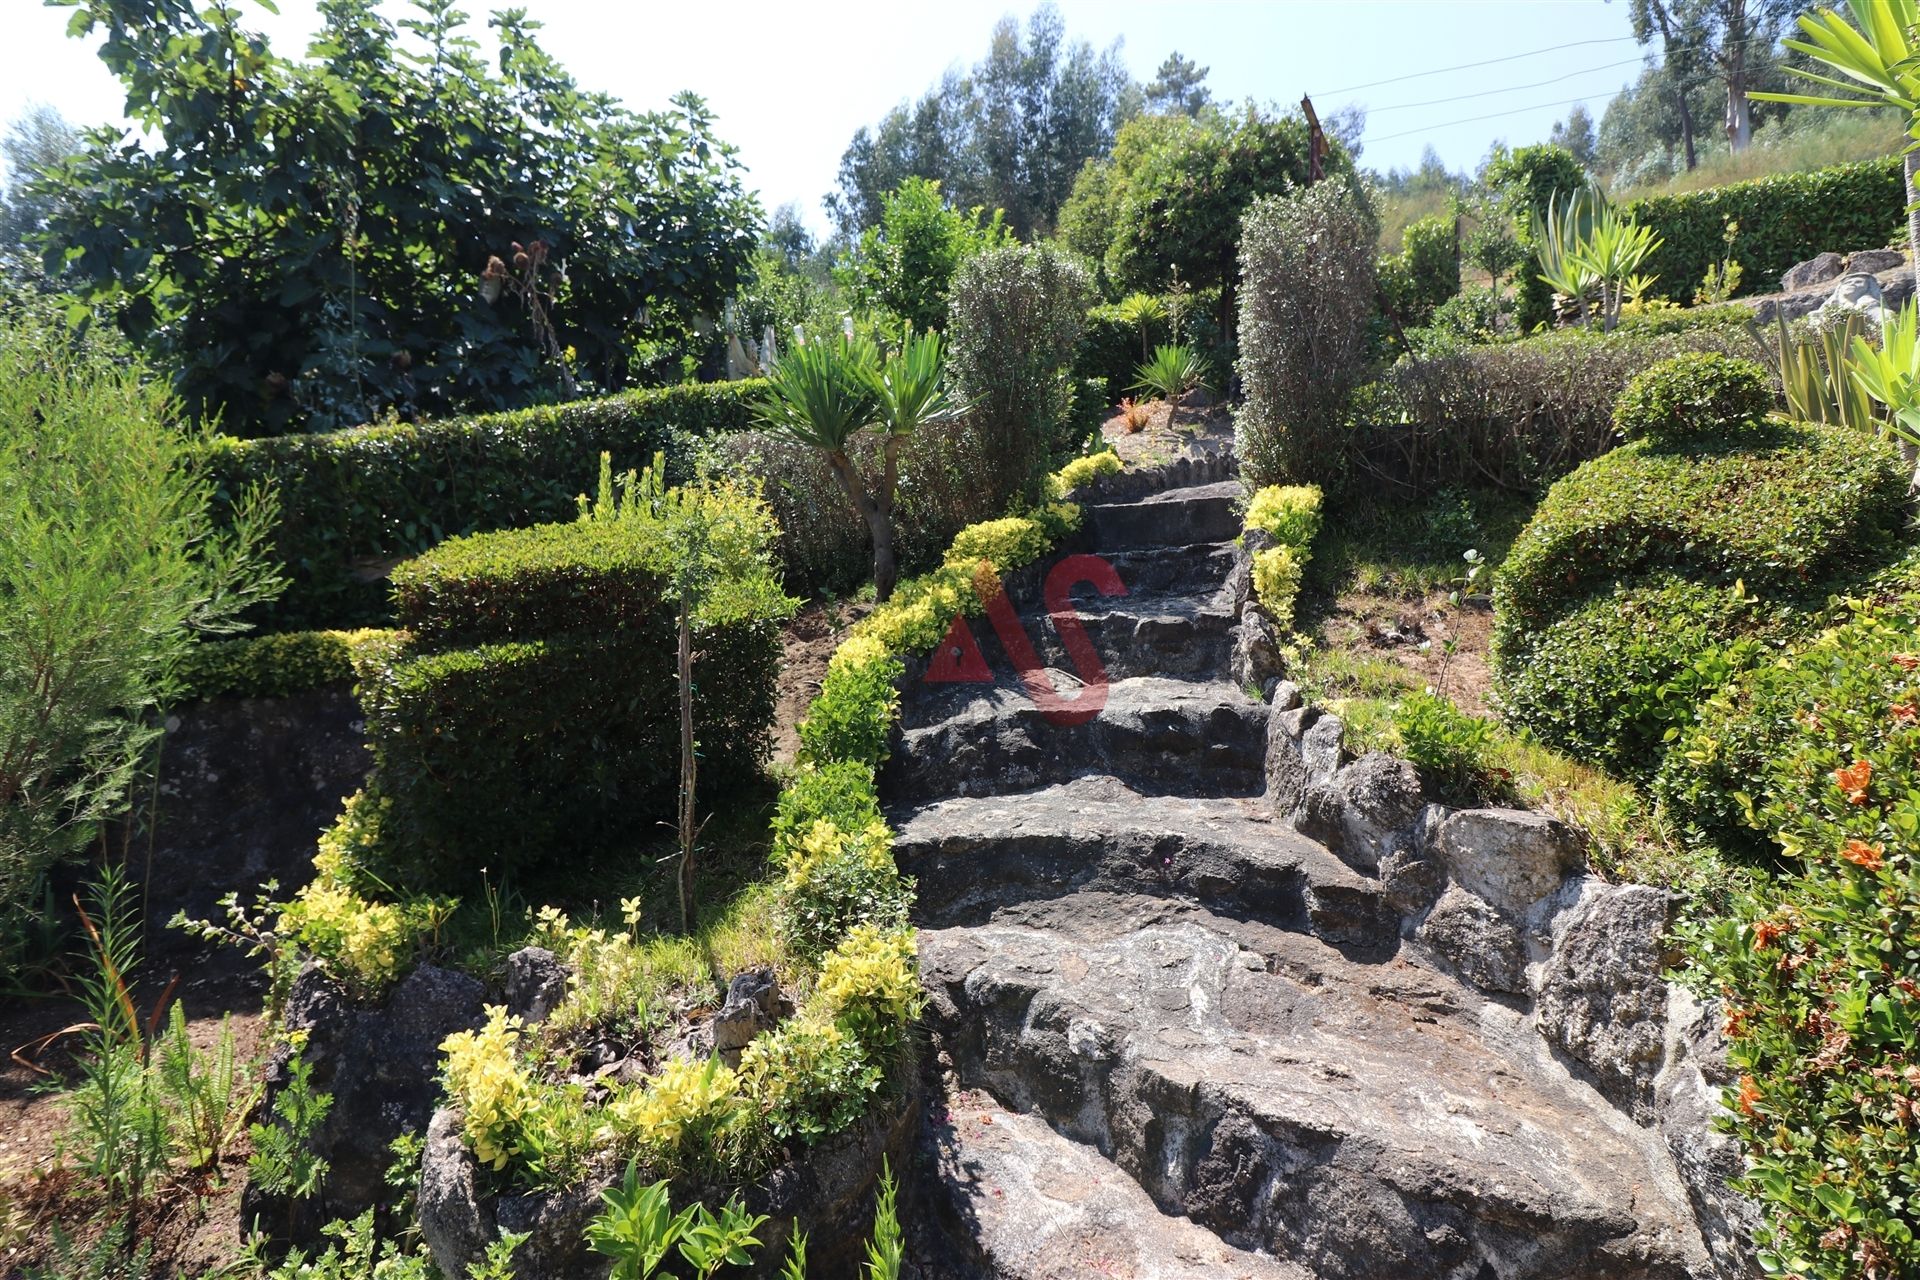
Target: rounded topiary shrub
point(1618, 607)
point(1692, 395)
point(1608, 680)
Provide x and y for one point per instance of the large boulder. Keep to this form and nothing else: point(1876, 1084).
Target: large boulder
point(1602, 1000)
point(1875, 261)
point(1478, 941)
point(1511, 858)
point(1814, 271)
point(1365, 811)
point(381, 1064)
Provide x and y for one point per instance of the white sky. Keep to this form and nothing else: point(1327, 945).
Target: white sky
point(792, 81)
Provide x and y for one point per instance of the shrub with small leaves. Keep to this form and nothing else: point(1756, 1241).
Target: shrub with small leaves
point(837, 879)
point(1819, 969)
point(870, 985)
point(1449, 747)
point(1289, 513)
point(1276, 580)
point(1083, 471)
point(1694, 395)
point(810, 1078)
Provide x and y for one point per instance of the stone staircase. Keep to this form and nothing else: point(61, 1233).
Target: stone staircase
point(1179, 1038)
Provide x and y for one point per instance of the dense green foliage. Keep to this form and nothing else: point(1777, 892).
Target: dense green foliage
point(307, 243)
point(372, 495)
point(1519, 414)
point(532, 712)
point(1694, 395)
point(1784, 219)
point(1817, 970)
point(1017, 316)
point(1426, 271)
point(1170, 198)
point(1615, 602)
point(273, 666)
point(1607, 679)
point(110, 563)
point(1009, 134)
point(903, 268)
point(1307, 265)
point(1728, 776)
point(1528, 182)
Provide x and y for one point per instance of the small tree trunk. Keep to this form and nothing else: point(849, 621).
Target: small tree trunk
point(687, 767)
point(1686, 129)
point(1912, 163)
point(877, 512)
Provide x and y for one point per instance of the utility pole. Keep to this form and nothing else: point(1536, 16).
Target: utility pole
point(1316, 143)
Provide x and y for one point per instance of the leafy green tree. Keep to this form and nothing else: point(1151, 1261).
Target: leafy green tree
point(1011, 134)
point(1530, 182)
point(33, 147)
point(318, 242)
point(1178, 87)
point(109, 566)
point(1575, 133)
point(1175, 188)
point(904, 267)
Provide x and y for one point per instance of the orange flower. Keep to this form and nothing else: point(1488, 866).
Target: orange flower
point(1863, 855)
point(1853, 780)
point(1904, 713)
point(1749, 1095)
point(1906, 661)
point(1767, 932)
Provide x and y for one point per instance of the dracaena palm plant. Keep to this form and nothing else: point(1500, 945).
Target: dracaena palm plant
point(1878, 53)
point(825, 392)
point(1891, 372)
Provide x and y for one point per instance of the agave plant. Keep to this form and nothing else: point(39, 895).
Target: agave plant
point(1816, 375)
point(1174, 370)
point(1588, 247)
point(1891, 373)
point(826, 391)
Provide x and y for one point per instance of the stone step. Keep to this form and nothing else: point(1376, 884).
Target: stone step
point(1362, 1121)
point(1160, 736)
point(1144, 635)
point(1014, 1200)
point(975, 857)
point(1175, 518)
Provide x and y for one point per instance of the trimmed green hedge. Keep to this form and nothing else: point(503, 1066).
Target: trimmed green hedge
point(1616, 607)
point(532, 712)
point(273, 666)
point(1518, 414)
point(1784, 218)
point(1784, 512)
point(353, 502)
point(1697, 394)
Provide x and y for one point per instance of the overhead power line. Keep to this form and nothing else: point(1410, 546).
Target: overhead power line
point(1468, 66)
point(1493, 115)
point(1512, 88)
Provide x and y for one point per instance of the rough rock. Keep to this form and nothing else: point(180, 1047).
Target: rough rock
point(1513, 858)
point(536, 984)
point(1030, 1204)
point(1256, 660)
point(1334, 1114)
point(1411, 879)
point(752, 1006)
point(1601, 1000)
point(1874, 261)
point(1482, 945)
point(1365, 811)
point(977, 858)
point(1816, 270)
point(381, 1064)
point(1688, 1095)
point(245, 787)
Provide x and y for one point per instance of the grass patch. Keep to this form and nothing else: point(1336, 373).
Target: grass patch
point(1407, 550)
point(1822, 140)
